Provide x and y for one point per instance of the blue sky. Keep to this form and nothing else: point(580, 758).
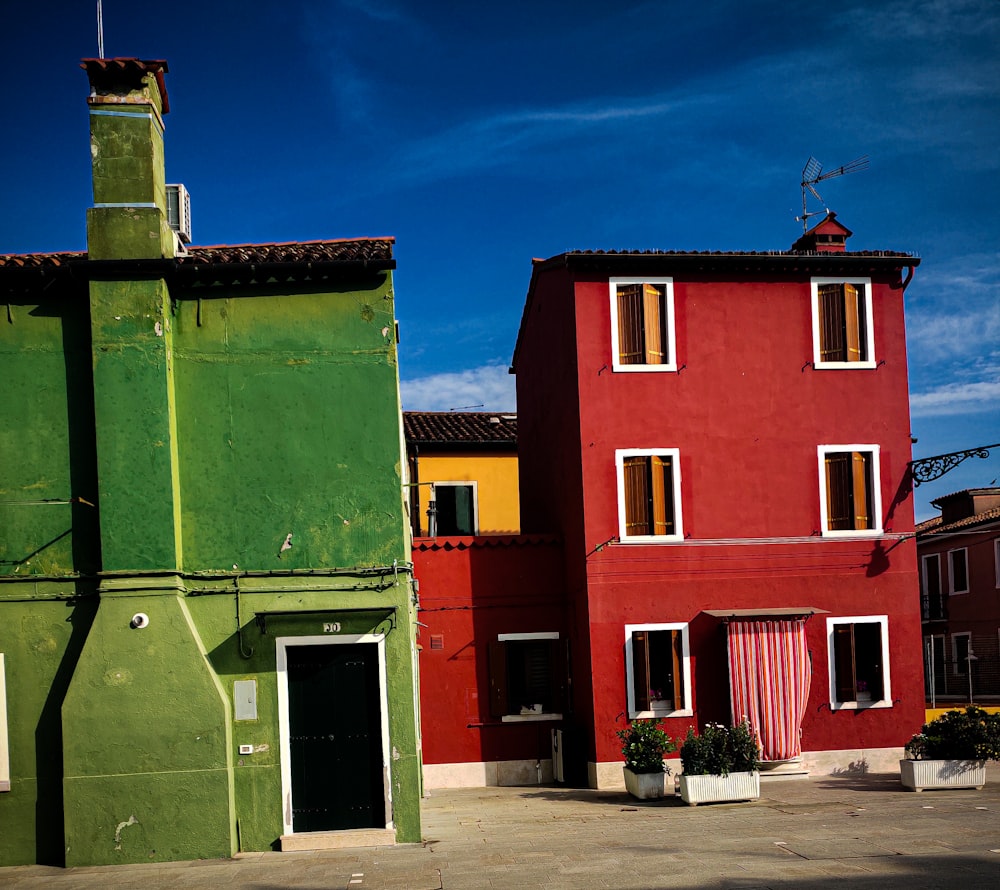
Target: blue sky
point(481, 136)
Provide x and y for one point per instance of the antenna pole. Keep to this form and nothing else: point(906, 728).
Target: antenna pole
point(100, 30)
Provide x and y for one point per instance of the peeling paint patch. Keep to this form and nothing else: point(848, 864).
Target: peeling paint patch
point(395, 753)
point(287, 545)
point(367, 313)
point(159, 329)
point(121, 827)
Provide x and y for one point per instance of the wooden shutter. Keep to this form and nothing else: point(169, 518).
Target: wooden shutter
point(839, 492)
point(852, 324)
point(559, 659)
point(631, 349)
point(832, 347)
point(843, 662)
point(636, 485)
point(640, 670)
point(498, 678)
point(654, 327)
point(678, 672)
point(662, 494)
point(861, 493)
point(465, 514)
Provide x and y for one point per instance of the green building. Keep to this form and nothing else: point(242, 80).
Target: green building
point(207, 610)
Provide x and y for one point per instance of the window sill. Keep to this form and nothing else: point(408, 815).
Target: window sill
point(860, 705)
point(529, 718)
point(859, 533)
point(632, 369)
point(657, 713)
point(651, 539)
point(844, 366)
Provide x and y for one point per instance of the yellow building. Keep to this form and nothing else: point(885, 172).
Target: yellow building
point(464, 464)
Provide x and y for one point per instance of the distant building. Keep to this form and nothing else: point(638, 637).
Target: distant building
point(959, 554)
point(206, 609)
point(465, 462)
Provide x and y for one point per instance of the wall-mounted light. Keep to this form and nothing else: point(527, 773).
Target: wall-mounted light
point(139, 621)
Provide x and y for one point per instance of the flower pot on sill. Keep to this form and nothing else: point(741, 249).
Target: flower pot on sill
point(646, 786)
point(716, 789)
point(920, 774)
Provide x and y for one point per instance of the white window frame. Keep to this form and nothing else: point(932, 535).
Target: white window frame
point(668, 311)
point(886, 700)
point(952, 590)
point(818, 363)
point(822, 451)
point(469, 483)
point(675, 474)
point(687, 710)
point(284, 744)
point(962, 671)
point(528, 718)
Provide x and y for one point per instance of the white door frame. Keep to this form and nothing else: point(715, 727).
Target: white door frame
point(281, 654)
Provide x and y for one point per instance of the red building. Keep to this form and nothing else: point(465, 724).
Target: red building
point(720, 441)
point(960, 585)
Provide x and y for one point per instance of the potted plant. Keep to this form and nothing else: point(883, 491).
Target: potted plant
point(721, 764)
point(951, 751)
point(644, 742)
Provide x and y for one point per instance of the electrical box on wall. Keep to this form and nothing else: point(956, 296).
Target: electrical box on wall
point(245, 699)
point(246, 749)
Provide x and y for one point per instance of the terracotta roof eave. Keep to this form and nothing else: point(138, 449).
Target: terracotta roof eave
point(431, 445)
point(727, 260)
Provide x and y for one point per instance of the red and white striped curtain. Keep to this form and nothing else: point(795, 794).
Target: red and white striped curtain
point(769, 682)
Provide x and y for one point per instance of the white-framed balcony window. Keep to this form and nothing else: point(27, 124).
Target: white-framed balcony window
point(658, 670)
point(527, 676)
point(642, 324)
point(858, 650)
point(842, 323)
point(961, 650)
point(850, 490)
point(958, 571)
point(649, 495)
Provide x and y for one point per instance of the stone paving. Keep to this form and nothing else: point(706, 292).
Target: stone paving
point(853, 832)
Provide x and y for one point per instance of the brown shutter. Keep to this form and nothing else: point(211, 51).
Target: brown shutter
point(662, 489)
point(636, 484)
point(831, 323)
point(653, 327)
point(843, 662)
point(498, 678)
point(852, 324)
point(559, 659)
point(640, 670)
point(861, 493)
point(678, 659)
point(839, 486)
point(631, 350)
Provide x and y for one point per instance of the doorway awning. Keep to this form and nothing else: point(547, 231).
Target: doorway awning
point(778, 614)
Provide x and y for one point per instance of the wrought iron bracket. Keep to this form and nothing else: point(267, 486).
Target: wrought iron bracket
point(927, 469)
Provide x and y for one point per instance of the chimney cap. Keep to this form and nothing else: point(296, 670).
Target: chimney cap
point(109, 72)
point(827, 236)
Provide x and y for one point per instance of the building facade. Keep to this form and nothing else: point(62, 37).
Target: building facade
point(207, 615)
point(959, 554)
point(721, 442)
point(465, 463)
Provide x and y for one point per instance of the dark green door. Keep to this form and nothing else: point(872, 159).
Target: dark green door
point(335, 737)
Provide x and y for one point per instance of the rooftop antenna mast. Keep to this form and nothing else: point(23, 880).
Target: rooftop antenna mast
point(100, 30)
point(812, 174)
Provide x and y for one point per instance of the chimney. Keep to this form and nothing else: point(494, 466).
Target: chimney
point(128, 99)
point(827, 236)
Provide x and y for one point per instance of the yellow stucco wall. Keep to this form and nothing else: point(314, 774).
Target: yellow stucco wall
point(496, 475)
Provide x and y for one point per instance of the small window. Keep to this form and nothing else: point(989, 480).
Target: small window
point(642, 324)
point(657, 670)
point(456, 504)
point(850, 497)
point(932, 604)
point(842, 323)
point(958, 571)
point(649, 504)
point(527, 676)
point(961, 653)
point(859, 664)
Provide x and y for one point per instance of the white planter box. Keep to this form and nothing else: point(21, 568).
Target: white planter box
point(714, 789)
point(920, 774)
point(646, 786)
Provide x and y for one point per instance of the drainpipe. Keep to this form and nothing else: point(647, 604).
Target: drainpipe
point(432, 515)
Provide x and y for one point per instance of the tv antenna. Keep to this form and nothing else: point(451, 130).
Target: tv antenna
point(100, 30)
point(812, 173)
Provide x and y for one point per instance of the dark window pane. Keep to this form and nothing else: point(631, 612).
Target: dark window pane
point(455, 514)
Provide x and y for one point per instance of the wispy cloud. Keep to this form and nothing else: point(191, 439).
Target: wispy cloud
point(957, 398)
point(489, 386)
